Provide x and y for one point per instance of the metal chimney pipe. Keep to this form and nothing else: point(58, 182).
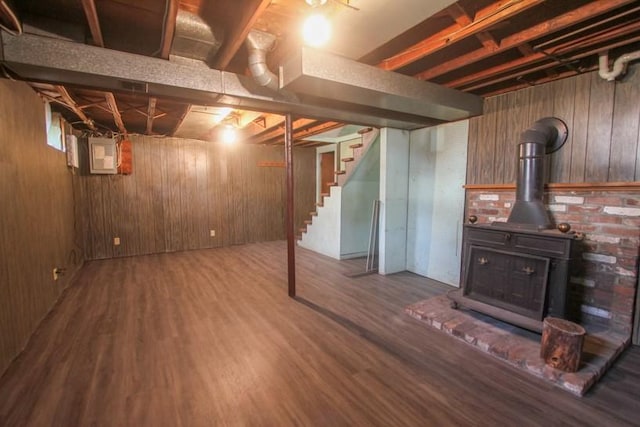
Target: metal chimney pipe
point(545, 136)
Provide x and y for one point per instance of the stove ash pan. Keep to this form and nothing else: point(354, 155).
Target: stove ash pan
point(518, 271)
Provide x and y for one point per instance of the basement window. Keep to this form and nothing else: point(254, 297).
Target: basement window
point(53, 127)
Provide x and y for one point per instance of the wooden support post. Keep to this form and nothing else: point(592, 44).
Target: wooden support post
point(291, 238)
point(561, 345)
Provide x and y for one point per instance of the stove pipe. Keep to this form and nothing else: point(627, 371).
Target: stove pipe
point(545, 136)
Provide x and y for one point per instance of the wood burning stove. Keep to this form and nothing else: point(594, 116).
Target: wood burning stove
point(518, 270)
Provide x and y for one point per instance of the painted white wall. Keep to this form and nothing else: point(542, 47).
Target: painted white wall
point(323, 236)
point(358, 195)
point(437, 170)
point(394, 185)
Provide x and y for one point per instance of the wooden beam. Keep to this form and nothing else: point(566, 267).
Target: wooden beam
point(239, 31)
point(151, 111)
point(169, 29)
point(278, 131)
point(113, 107)
point(573, 17)
point(496, 74)
point(484, 19)
point(91, 13)
point(180, 120)
point(291, 233)
point(307, 132)
point(70, 103)
point(11, 16)
point(462, 18)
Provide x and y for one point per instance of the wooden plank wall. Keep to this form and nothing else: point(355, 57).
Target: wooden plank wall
point(603, 120)
point(181, 189)
point(36, 217)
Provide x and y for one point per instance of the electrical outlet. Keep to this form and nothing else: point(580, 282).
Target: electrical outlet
point(57, 272)
point(116, 241)
point(212, 233)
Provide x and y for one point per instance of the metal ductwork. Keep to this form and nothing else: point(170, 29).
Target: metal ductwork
point(322, 78)
point(341, 90)
point(258, 44)
point(194, 38)
point(544, 137)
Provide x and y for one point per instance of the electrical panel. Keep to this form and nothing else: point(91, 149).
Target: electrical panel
point(103, 156)
point(72, 151)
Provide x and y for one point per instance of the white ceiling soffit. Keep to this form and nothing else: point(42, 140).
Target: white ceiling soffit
point(356, 33)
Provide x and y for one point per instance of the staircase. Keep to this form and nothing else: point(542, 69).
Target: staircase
point(327, 216)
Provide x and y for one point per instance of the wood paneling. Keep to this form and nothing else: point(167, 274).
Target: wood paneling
point(37, 231)
point(209, 337)
point(636, 319)
point(181, 189)
point(603, 119)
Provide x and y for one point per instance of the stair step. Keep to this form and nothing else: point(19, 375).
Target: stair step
point(319, 205)
point(308, 222)
point(354, 146)
point(340, 172)
point(302, 230)
point(299, 237)
point(365, 130)
point(324, 194)
point(332, 184)
point(314, 213)
point(348, 159)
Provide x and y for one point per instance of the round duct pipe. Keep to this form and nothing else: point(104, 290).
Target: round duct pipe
point(258, 44)
point(545, 136)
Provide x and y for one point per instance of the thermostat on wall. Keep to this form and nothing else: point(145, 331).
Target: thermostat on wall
point(103, 156)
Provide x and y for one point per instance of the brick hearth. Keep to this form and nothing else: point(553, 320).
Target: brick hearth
point(519, 347)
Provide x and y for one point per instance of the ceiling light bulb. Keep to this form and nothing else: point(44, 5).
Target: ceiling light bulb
point(316, 30)
point(316, 3)
point(229, 135)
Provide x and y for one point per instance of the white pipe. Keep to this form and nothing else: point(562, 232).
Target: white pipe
point(619, 65)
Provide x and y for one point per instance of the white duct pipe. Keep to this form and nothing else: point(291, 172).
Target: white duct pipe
point(258, 44)
point(619, 65)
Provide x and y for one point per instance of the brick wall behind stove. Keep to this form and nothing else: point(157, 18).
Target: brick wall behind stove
point(603, 288)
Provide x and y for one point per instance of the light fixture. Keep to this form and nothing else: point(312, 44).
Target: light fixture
point(316, 3)
point(220, 114)
point(229, 135)
point(316, 30)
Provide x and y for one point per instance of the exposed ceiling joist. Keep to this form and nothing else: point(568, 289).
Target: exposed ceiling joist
point(151, 111)
point(248, 17)
point(463, 19)
point(277, 131)
point(305, 132)
point(560, 22)
point(71, 104)
point(113, 107)
point(93, 21)
point(566, 59)
point(484, 20)
point(562, 52)
point(169, 27)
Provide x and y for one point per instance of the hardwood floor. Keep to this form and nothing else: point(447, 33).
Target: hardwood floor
point(210, 337)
